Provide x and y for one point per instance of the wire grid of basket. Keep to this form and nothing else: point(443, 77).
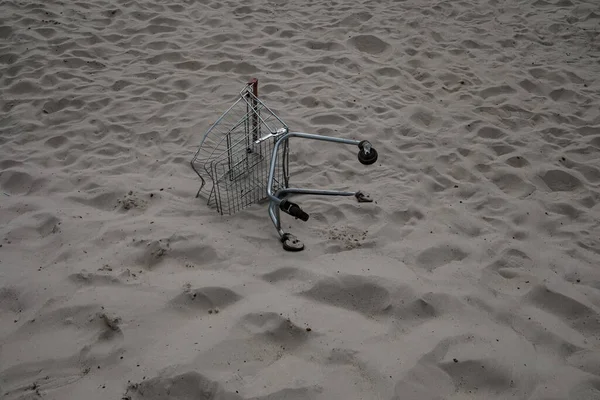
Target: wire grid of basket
point(236, 167)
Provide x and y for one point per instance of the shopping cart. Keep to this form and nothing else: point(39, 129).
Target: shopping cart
point(245, 156)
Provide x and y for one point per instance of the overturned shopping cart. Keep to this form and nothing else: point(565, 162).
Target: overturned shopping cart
point(245, 157)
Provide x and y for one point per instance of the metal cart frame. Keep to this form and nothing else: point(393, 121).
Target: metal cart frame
point(248, 162)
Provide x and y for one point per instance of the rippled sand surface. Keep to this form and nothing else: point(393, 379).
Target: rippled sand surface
point(474, 274)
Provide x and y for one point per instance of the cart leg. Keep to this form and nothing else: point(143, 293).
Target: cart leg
point(367, 155)
point(361, 196)
point(316, 192)
point(289, 241)
point(275, 217)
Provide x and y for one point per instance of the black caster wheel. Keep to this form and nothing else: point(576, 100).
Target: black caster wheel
point(367, 154)
point(363, 197)
point(291, 243)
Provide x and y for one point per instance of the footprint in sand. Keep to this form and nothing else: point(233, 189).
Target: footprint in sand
point(560, 181)
point(437, 256)
point(369, 44)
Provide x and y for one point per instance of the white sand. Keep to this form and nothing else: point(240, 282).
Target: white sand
point(474, 276)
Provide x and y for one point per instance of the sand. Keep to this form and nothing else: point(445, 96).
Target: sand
point(474, 274)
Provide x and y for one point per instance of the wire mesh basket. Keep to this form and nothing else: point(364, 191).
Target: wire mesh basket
point(234, 159)
point(243, 159)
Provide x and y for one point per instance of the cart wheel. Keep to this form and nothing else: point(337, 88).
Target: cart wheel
point(291, 243)
point(363, 197)
point(367, 154)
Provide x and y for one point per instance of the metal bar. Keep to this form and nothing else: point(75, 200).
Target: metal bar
point(316, 192)
point(211, 194)
point(203, 182)
point(235, 187)
point(247, 128)
point(217, 192)
point(286, 164)
point(313, 136)
point(229, 155)
point(254, 83)
point(275, 217)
